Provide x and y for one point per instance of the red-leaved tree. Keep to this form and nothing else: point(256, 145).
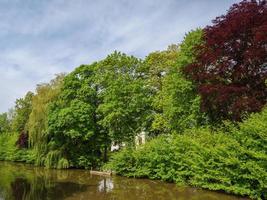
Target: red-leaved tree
point(22, 141)
point(230, 70)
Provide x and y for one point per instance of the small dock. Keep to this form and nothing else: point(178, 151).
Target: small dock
point(100, 173)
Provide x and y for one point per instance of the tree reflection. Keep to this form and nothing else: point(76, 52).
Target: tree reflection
point(18, 183)
point(24, 182)
point(20, 188)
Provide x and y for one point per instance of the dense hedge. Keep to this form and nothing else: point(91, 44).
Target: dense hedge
point(232, 159)
point(9, 150)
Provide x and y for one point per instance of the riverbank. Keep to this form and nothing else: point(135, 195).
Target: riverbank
point(231, 159)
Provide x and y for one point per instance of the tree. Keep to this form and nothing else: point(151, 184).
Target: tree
point(176, 103)
point(124, 98)
point(156, 65)
point(23, 140)
point(73, 134)
point(22, 112)
point(46, 94)
point(155, 68)
point(231, 67)
point(4, 123)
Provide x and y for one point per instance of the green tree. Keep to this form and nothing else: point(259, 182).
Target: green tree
point(155, 68)
point(22, 112)
point(72, 122)
point(124, 97)
point(37, 125)
point(4, 123)
point(157, 65)
point(179, 99)
point(176, 103)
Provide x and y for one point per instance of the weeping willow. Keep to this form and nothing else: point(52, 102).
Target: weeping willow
point(37, 125)
point(54, 159)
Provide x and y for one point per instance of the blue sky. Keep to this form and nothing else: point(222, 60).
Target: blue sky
point(40, 38)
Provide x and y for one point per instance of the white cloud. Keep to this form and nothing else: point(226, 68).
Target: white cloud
point(41, 38)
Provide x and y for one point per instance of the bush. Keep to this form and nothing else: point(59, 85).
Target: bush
point(9, 150)
point(232, 159)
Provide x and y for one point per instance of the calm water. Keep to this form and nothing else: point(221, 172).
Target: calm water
point(24, 182)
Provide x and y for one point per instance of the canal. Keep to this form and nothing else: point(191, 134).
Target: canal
point(25, 182)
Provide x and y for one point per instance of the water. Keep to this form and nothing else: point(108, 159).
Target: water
point(25, 182)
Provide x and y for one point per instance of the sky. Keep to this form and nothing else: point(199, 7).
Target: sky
point(41, 38)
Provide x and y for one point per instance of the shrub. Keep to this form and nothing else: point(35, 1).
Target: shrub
point(9, 151)
point(232, 159)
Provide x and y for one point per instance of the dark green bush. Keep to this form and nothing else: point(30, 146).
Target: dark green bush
point(234, 161)
point(9, 151)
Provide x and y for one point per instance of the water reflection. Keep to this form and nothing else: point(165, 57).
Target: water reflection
point(20, 188)
point(24, 182)
point(105, 185)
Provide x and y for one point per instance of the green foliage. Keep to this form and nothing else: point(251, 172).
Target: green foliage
point(176, 104)
point(124, 98)
point(72, 131)
point(188, 51)
point(22, 111)
point(37, 123)
point(10, 152)
point(4, 123)
point(98, 103)
point(234, 161)
point(54, 159)
point(178, 98)
point(154, 69)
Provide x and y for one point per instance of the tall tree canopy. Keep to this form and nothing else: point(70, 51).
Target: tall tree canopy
point(98, 103)
point(231, 68)
point(124, 97)
point(72, 122)
point(176, 103)
point(22, 112)
point(156, 66)
point(46, 94)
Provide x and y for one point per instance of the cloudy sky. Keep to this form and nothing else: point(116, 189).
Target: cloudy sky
point(40, 38)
